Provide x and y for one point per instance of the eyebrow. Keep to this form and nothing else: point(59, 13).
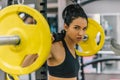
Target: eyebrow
point(80, 26)
point(77, 25)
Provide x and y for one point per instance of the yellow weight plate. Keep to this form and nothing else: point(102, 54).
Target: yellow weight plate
point(35, 39)
point(12, 77)
point(90, 46)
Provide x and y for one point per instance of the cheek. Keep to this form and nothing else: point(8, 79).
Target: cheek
point(84, 32)
point(71, 33)
point(74, 34)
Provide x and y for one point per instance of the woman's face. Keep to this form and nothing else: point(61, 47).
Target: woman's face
point(76, 30)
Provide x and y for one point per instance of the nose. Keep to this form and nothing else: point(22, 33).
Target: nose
point(81, 32)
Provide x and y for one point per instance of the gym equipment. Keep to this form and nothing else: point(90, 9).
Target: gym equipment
point(19, 39)
point(13, 77)
point(115, 46)
point(98, 60)
point(93, 40)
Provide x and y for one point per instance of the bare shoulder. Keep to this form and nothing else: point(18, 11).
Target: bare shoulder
point(56, 49)
point(57, 54)
point(57, 45)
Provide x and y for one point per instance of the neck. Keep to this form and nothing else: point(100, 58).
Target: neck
point(70, 43)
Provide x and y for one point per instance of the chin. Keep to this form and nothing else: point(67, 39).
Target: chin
point(78, 41)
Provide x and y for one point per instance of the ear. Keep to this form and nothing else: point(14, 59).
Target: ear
point(65, 27)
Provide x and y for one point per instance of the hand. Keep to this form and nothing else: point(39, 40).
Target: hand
point(29, 59)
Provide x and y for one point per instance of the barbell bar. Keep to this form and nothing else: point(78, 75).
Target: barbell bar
point(9, 40)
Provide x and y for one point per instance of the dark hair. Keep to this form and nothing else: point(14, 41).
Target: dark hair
point(59, 36)
point(70, 13)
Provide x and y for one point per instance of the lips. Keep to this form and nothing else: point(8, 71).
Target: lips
point(79, 38)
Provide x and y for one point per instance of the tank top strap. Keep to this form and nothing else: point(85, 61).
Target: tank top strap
point(65, 45)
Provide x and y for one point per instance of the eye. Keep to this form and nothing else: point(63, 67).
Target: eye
point(77, 27)
point(85, 28)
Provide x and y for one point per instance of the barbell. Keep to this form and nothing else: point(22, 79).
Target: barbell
point(19, 39)
point(13, 77)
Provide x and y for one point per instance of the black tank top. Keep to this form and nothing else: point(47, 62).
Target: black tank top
point(68, 69)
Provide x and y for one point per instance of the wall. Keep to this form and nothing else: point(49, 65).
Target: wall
point(103, 6)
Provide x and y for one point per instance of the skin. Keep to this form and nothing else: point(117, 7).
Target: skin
point(29, 20)
point(74, 34)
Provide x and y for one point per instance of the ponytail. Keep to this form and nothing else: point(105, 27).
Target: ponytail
point(59, 36)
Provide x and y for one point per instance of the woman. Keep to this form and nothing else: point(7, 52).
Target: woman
point(63, 62)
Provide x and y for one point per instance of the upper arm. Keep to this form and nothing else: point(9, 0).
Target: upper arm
point(54, 50)
point(50, 55)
